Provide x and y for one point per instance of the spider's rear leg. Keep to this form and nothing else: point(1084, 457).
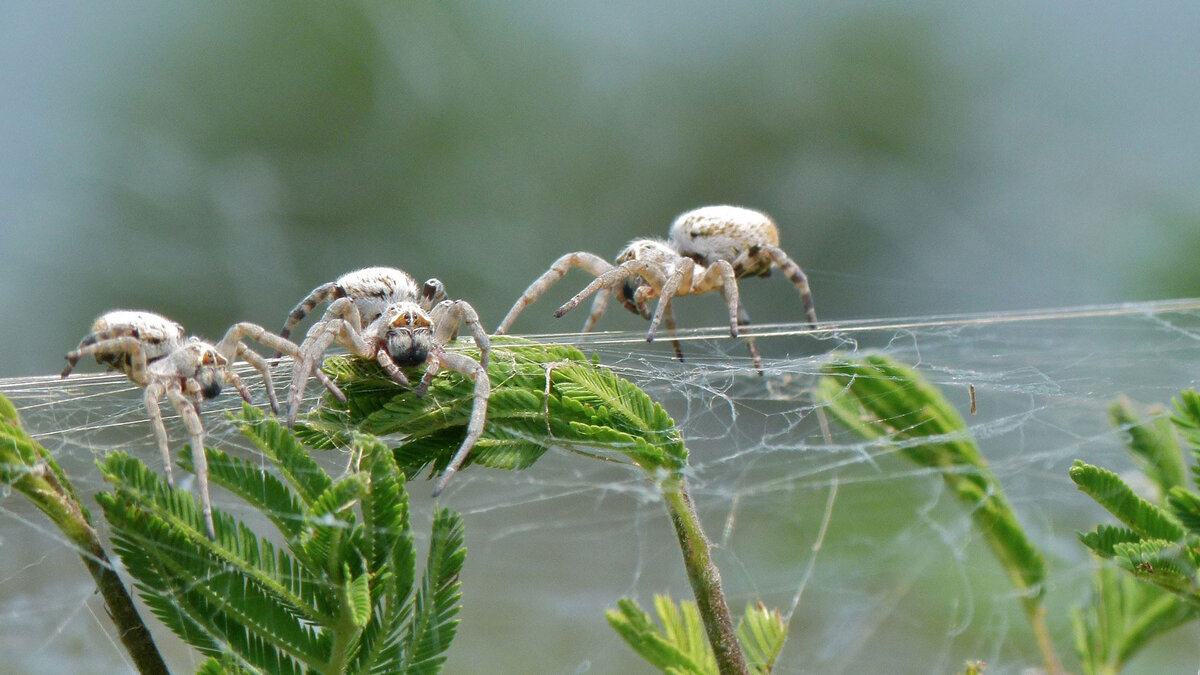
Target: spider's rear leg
point(743, 318)
point(327, 291)
point(582, 259)
point(797, 277)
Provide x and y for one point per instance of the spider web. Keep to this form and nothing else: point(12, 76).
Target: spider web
point(878, 568)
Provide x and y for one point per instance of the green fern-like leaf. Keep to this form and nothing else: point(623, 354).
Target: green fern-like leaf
point(433, 624)
point(543, 396)
point(680, 644)
point(1107, 488)
point(339, 599)
point(639, 632)
point(883, 399)
point(1152, 441)
point(762, 633)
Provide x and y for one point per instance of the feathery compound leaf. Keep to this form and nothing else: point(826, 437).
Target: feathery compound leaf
point(882, 399)
point(433, 625)
point(341, 600)
point(1164, 563)
point(1185, 506)
point(1107, 488)
point(281, 446)
point(1104, 539)
point(762, 633)
point(543, 396)
point(1152, 441)
point(639, 632)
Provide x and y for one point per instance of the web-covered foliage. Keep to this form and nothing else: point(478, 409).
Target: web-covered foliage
point(877, 562)
point(337, 597)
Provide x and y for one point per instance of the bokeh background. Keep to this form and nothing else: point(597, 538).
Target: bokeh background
point(215, 161)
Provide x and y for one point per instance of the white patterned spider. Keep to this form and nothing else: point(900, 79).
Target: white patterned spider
point(708, 249)
point(380, 314)
point(154, 352)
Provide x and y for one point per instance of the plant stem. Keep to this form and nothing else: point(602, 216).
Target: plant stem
point(42, 487)
point(1041, 633)
point(704, 577)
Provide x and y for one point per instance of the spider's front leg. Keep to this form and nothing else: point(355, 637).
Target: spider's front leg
point(582, 259)
point(191, 419)
point(483, 390)
point(155, 391)
point(232, 347)
point(449, 316)
point(338, 325)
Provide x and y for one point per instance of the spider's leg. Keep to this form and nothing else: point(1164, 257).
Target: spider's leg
point(431, 371)
point(721, 272)
point(610, 279)
point(432, 293)
point(319, 338)
point(669, 317)
point(191, 420)
point(317, 296)
point(797, 276)
point(329, 384)
point(743, 319)
point(259, 364)
point(682, 273)
point(385, 360)
point(599, 304)
point(338, 324)
point(238, 384)
point(126, 344)
point(154, 391)
point(483, 389)
point(588, 261)
point(449, 315)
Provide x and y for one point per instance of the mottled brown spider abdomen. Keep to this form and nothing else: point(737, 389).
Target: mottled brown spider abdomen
point(732, 233)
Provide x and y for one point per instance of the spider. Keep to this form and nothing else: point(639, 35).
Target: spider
point(153, 352)
point(708, 249)
point(380, 314)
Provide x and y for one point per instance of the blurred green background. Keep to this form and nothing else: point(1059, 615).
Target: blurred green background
point(215, 161)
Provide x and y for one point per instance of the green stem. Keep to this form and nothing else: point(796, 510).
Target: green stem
point(1041, 633)
point(705, 578)
point(42, 487)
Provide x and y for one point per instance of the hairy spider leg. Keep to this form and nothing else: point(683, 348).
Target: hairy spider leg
point(449, 316)
point(797, 277)
point(582, 259)
point(743, 319)
point(191, 419)
point(432, 293)
point(483, 390)
point(317, 296)
point(126, 344)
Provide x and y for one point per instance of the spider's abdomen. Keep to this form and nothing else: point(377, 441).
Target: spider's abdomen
point(729, 233)
point(157, 333)
point(374, 288)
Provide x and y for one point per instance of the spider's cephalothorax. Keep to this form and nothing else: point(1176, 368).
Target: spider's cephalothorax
point(152, 351)
point(380, 314)
point(708, 249)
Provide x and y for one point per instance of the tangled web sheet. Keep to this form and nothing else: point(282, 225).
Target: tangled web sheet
point(877, 566)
